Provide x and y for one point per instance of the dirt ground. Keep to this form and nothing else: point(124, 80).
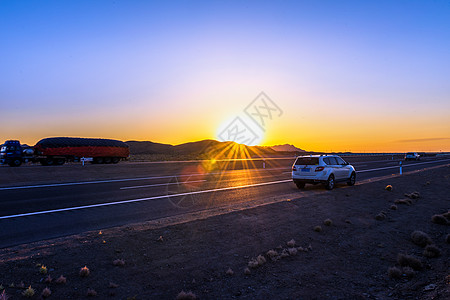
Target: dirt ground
point(349, 259)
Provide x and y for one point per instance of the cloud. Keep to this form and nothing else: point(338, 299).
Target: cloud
point(421, 140)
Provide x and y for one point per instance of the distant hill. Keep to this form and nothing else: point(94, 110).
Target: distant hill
point(286, 148)
point(205, 149)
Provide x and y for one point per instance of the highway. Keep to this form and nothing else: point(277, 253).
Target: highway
point(38, 203)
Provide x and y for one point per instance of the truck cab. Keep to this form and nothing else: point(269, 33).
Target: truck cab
point(11, 153)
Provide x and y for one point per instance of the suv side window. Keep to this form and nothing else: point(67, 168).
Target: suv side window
point(340, 161)
point(332, 160)
point(326, 160)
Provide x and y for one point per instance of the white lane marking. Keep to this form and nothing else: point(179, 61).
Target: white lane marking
point(143, 199)
point(404, 166)
point(127, 179)
point(158, 184)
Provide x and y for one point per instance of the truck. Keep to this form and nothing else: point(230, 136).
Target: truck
point(59, 150)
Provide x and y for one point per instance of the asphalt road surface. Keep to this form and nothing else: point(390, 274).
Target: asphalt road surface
point(38, 203)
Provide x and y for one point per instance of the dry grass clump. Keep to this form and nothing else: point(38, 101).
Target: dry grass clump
point(113, 285)
point(381, 216)
point(46, 293)
point(186, 296)
point(403, 201)
point(439, 219)
point(413, 195)
point(61, 280)
point(28, 293)
point(119, 262)
point(43, 269)
point(420, 238)
point(291, 243)
point(394, 207)
point(284, 253)
point(48, 279)
point(91, 293)
point(328, 222)
point(388, 188)
point(261, 260)
point(394, 272)
point(229, 272)
point(256, 262)
point(84, 271)
point(405, 260)
point(272, 254)
point(317, 228)
point(3, 296)
point(160, 239)
point(292, 251)
point(408, 272)
point(247, 271)
point(431, 251)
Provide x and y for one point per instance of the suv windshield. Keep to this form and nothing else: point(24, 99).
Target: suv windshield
point(307, 161)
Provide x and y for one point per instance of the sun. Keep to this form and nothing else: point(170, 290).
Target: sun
point(241, 130)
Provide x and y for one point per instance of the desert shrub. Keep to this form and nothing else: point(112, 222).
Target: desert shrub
point(420, 238)
point(46, 293)
point(84, 271)
point(328, 222)
point(405, 260)
point(394, 272)
point(403, 201)
point(317, 228)
point(61, 280)
point(43, 270)
point(186, 296)
point(292, 251)
point(91, 293)
point(272, 254)
point(413, 195)
point(439, 219)
point(394, 207)
point(431, 251)
point(229, 272)
point(388, 188)
point(284, 253)
point(300, 249)
point(253, 263)
point(291, 243)
point(247, 271)
point(380, 217)
point(261, 260)
point(119, 262)
point(113, 285)
point(29, 292)
point(48, 279)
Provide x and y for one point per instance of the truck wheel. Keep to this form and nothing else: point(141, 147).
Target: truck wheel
point(15, 163)
point(98, 160)
point(43, 161)
point(60, 161)
point(107, 160)
point(329, 185)
point(49, 161)
point(115, 160)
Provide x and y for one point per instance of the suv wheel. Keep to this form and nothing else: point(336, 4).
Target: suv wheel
point(300, 185)
point(15, 163)
point(329, 185)
point(352, 179)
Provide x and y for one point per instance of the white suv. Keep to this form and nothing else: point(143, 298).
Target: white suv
point(326, 169)
point(412, 156)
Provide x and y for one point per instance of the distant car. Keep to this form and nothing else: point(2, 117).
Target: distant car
point(326, 169)
point(412, 156)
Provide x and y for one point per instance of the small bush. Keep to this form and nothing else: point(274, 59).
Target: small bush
point(328, 222)
point(317, 228)
point(284, 253)
point(186, 296)
point(91, 293)
point(253, 263)
point(388, 188)
point(229, 272)
point(439, 219)
point(405, 260)
point(43, 270)
point(272, 254)
point(394, 272)
point(380, 217)
point(292, 251)
point(420, 238)
point(261, 260)
point(48, 279)
point(160, 239)
point(403, 201)
point(247, 271)
point(46, 293)
point(394, 207)
point(29, 292)
point(61, 280)
point(291, 243)
point(119, 262)
point(431, 251)
point(84, 271)
point(413, 195)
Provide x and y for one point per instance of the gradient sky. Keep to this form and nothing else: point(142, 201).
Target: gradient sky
point(348, 75)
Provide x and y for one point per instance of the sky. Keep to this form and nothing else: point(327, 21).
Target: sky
point(361, 76)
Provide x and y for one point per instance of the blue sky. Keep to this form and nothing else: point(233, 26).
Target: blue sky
point(143, 69)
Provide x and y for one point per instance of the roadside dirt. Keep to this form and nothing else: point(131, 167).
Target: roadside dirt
point(347, 260)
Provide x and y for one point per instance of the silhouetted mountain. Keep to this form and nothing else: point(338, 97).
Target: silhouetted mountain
point(287, 148)
point(201, 149)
